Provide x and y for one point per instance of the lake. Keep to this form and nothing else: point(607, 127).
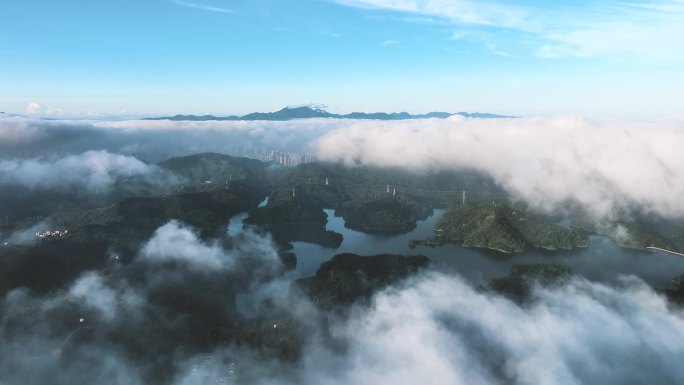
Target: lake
point(602, 261)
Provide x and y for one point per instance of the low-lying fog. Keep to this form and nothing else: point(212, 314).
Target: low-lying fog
point(111, 327)
point(605, 166)
point(117, 326)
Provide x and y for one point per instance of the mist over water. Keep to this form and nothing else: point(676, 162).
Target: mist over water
point(434, 328)
point(123, 262)
point(437, 327)
point(121, 325)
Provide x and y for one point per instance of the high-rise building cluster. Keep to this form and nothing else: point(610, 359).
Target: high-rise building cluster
point(287, 159)
point(262, 153)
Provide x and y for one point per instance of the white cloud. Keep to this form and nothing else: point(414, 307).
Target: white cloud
point(92, 290)
point(602, 165)
point(203, 7)
point(155, 140)
point(250, 128)
point(27, 236)
point(586, 30)
point(176, 242)
point(458, 35)
point(433, 329)
point(459, 11)
point(54, 111)
point(440, 330)
point(34, 108)
point(92, 170)
point(15, 130)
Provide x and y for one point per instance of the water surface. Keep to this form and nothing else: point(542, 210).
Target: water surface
point(602, 261)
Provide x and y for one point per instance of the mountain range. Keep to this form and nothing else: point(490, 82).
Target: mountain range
point(289, 113)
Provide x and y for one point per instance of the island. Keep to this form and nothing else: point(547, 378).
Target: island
point(293, 220)
point(388, 215)
point(500, 228)
point(348, 278)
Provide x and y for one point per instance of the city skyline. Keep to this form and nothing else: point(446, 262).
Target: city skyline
point(529, 58)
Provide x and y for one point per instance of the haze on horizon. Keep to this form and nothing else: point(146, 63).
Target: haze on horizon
point(590, 58)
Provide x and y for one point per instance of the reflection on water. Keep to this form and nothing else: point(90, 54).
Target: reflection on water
point(310, 256)
point(601, 261)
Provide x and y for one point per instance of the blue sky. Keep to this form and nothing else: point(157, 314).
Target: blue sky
point(524, 57)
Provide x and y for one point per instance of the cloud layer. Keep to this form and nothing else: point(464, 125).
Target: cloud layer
point(548, 162)
point(175, 242)
point(95, 171)
point(439, 330)
point(133, 322)
point(603, 165)
point(140, 322)
point(154, 141)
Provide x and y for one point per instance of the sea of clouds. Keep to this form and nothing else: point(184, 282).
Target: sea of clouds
point(605, 166)
point(433, 328)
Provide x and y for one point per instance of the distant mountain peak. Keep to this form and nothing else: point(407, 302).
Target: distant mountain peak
point(318, 111)
point(310, 107)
